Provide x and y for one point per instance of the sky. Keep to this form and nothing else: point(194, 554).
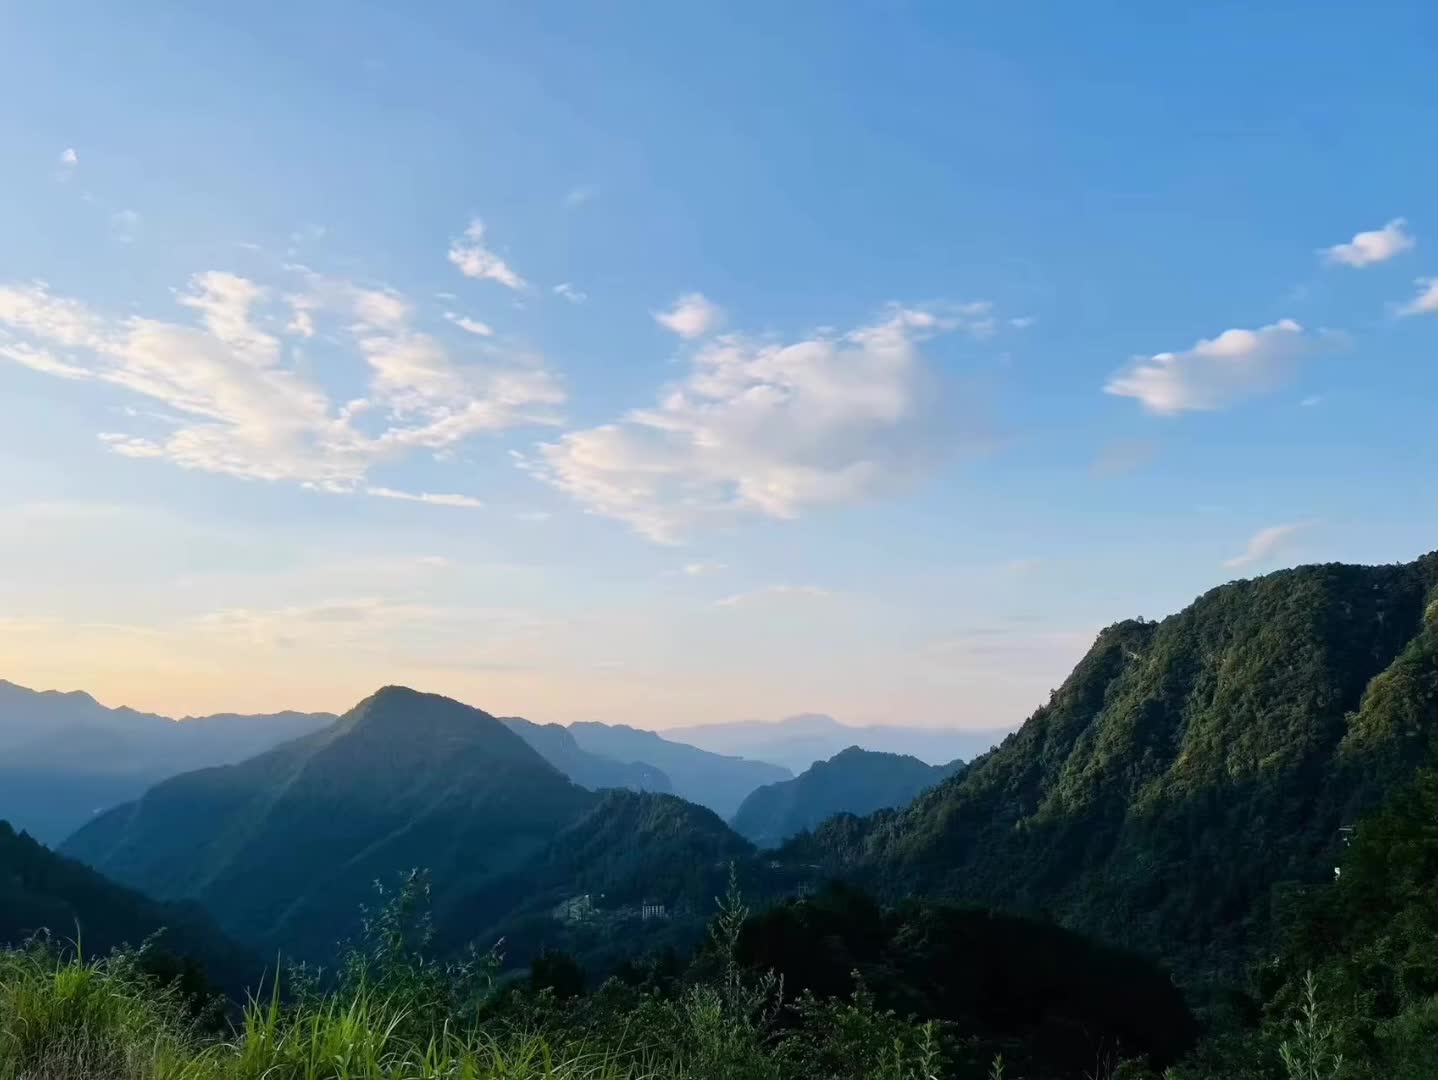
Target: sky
point(670, 364)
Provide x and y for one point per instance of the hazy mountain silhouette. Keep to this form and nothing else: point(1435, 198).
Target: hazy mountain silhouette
point(719, 781)
point(797, 742)
point(853, 781)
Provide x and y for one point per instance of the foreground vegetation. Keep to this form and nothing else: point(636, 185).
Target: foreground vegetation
point(1352, 996)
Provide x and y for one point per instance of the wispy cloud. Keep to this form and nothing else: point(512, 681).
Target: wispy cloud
point(702, 569)
point(125, 226)
point(692, 315)
point(474, 259)
point(570, 293)
point(576, 197)
point(774, 592)
point(1215, 373)
point(467, 502)
point(1426, 302)
point(1124, 456)
point(473, 326)
point(763, 428)
point(240, 406)
point(1371, 247)
point(1267, 544)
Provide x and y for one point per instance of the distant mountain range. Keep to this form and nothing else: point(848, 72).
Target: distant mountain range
point(799, 741)
point(853, 781)
point(65, 757)
point(719, 781)
point(557, 745)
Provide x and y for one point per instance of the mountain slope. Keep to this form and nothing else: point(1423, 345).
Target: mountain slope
point(1185, 768)
point(556, 744)
point(713, 780)
point(853, 781)
point(796, 742)
point(284, 848)
point(40, 890)
point(64, 756)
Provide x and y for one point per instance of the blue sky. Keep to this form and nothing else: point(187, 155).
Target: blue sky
point(674, 365)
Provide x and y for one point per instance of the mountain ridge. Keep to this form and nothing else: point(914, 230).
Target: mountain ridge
point(1227, 743)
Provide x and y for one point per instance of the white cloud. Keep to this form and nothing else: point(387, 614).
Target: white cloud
point(240, 408)
point(570, 293)
point(1266, 543)
point(1214, 373)
point(473, 326)
point(1426, 301)
point(473, 259)
point(1023, 322)
point(702, 569)
point(693, 315)
point(125, 226)
point(69, 158)
point(465, 501)
point(762, 428)
point(1371, 247)
point(775, 592)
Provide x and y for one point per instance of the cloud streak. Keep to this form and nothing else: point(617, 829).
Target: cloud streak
point(1266, 544)
point(1215, 373)
point(1426, 300)
point(1371, 247)
point(474, 259)
point(692, 315)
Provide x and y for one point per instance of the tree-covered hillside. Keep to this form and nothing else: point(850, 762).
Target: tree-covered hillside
point(1184, 769)
point(41, 891)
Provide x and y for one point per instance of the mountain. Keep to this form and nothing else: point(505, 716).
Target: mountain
point(1186, 771)
point(853, 781)
point(40, 890)
point(284, 848)
point(717, 781)
point(799, 741)
point(64, 757)
point(556, 744)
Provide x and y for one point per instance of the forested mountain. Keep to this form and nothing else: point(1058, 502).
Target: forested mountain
point(284, 849)
point(796, 742)
point(43, 891)
point(556, 744)
point(717, 781)
point(65, 757)
point(1184, 769)
point(853, 781)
